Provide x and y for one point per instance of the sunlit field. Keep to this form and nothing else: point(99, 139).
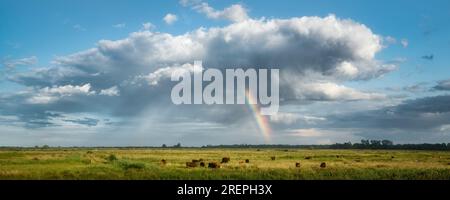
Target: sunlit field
point(112, 163)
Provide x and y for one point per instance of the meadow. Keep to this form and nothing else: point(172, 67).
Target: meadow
point(145, 163)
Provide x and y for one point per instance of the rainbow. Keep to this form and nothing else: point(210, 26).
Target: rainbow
point(261, 120)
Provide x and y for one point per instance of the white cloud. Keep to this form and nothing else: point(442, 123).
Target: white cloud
point(445, 128)
point(189, 2)
point(147, 26)
point(112, 91)
point(42, 99)
point(404, 43)
point(328, 91)
point(20, 62)
point(170, 18)
point(51, 94)
point(68, 90)
point(443, 85)
point(347, 69)
point(389, 40)
point(234, 13)
point(335, 50)
point(166, 72)
point(292, 118)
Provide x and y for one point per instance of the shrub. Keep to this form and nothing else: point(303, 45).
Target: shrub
point(132, 165)
point(111, 158)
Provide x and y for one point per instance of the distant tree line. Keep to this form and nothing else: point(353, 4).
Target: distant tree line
point(365, 144)
point(387, 144)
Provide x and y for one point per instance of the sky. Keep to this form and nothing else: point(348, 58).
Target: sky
point(97, 72)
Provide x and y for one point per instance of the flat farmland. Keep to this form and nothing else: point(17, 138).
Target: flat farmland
point(244, 164)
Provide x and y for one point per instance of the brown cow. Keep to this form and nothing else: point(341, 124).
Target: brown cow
point(323, 165)
point(225, 159)
point(202, 164)
point(247, 161)
point(297, 164)
point(213, 165)
point(163, 162)
point(273, 157)
point(191, 164)
point(308, 157)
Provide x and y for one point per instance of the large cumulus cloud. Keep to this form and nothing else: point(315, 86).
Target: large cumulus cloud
point(131, 77)
point(330, 48)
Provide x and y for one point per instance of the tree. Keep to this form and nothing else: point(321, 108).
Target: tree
point(375, 142)
point(164, 146)
point(178, 145)
point(387, 143)
point(365, 142)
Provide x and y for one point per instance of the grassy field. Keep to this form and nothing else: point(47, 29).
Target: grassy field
point(112, 163)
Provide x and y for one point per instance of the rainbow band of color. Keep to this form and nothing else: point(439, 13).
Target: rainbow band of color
point(261, 120)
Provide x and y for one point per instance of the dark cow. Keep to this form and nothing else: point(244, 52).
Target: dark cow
point(225, 159)
point(213, 165)
point(191, 164)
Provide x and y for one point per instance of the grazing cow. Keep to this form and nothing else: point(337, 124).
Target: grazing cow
point(323, 165)
point(247, 161)
point(392, 157)
point(191, 164)
point(297, 164)
point(163, 161)
point(273, 157)
point(202, 164)
point(308, 157)
point(225, 159)
point(213, 165)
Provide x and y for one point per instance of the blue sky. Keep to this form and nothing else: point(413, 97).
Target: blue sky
point(37, 34)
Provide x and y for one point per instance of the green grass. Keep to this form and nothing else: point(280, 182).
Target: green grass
point(83, 163)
